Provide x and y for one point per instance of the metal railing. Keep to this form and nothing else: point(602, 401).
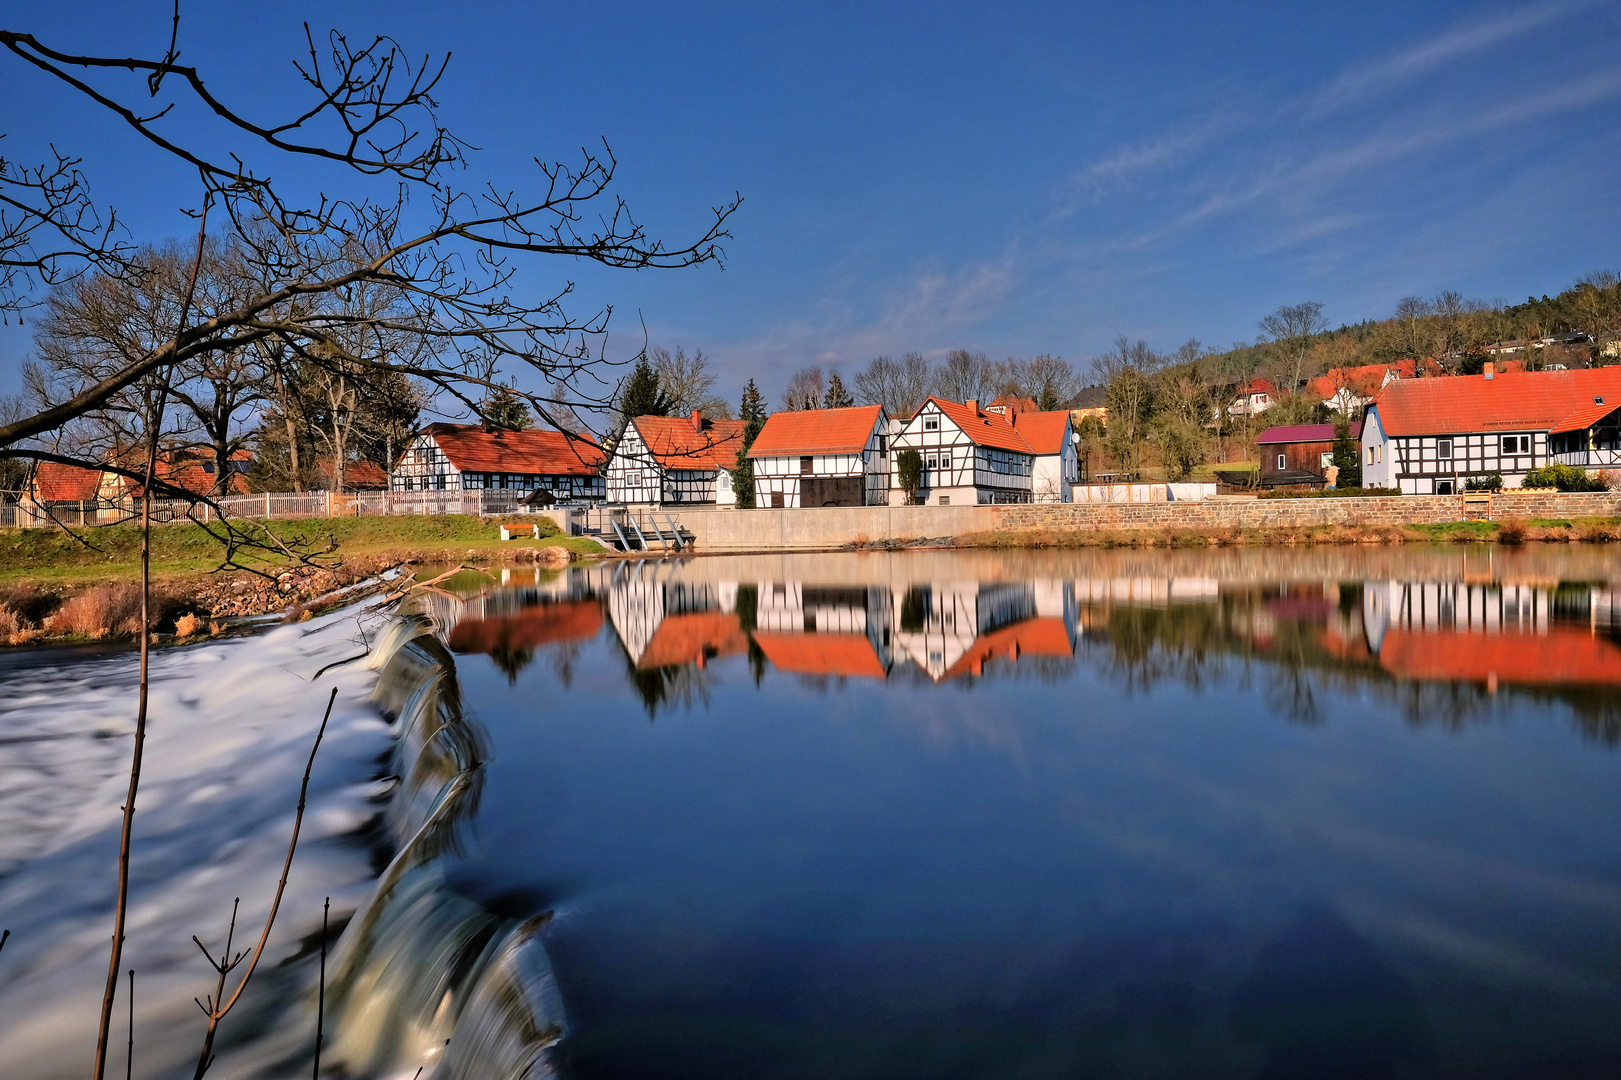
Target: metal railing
point(21, 511)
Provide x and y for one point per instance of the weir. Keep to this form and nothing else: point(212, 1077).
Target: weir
point(424, 976)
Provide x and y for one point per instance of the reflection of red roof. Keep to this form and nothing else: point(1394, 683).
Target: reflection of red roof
point(547, 624)
point(1513, 401)
point(1046, 636)
point(531, 451)
point(986, 429)
point(54, 482)
point(817, 431)
point(821, 654)
point(677, 443)
point(1563, 655)
point(1044, 431)
point(693, 639)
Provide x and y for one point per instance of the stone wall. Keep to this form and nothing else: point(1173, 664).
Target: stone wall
point(833, 527)
point(1296, 513)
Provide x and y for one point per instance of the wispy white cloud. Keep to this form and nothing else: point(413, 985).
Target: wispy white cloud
point(1357, 84)
point(1144, 158)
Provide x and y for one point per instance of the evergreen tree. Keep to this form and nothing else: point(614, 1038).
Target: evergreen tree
point(643, 395)
point(837, 396)
point(753, 414)
point(504, 409)
point(1345, 455)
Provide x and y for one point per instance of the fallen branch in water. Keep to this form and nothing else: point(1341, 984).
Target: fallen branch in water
point(219, 1006)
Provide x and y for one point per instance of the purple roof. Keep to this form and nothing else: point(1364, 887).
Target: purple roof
point(1304, 433)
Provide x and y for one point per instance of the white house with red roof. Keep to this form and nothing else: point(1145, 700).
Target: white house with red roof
point(1254, 399)
point(684, 460)
point(1429, 436)
point(471, 457)
point(823, 457)
point(976, 456)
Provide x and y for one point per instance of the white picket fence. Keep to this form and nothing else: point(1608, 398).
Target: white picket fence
point(24, 513)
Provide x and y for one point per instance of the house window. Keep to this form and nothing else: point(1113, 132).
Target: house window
point(883, 444)
point(439, 481)
point(945, 461)
point(776, 500)
point(945, 500)
point(208, 467)
point(1443, 487)
point(1516, 444)
point(1325, 459)
point(807, 465)
point(1370, 455)
point(1443, 449)
point(931, 424)
point(1280, 461)
point(1378, 454)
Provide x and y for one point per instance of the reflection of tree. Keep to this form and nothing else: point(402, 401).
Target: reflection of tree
point(681, 684)
point(748, 616)
point(511, 660)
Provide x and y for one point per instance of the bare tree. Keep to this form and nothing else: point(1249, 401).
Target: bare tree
point(1127, 372)
point(900, 386)
point(966, 376)
point(445, 257)
point(806, 388)
point(1051, 382)
point(687, 382)
point(1291, 329)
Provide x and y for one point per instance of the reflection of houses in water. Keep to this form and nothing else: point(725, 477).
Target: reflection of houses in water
point(665, 623)
point(824, 629)
point(953, 629)
point(1147, 591)
point(1495, 632)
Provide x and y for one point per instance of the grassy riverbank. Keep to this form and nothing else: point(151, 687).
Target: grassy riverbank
point(57, 586)
point(54, 557)
point(1534, 530)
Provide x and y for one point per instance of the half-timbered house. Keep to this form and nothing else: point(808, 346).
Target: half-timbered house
point(683, 460)
point(1057, 465)
point(970, 456)
point(823, 457)
point(1430, 436)
point(470, 457)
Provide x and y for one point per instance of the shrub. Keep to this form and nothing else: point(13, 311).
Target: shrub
point(1563, 477)
point(1511, 532)
point(1490, 482)
point(187, 625)
point(97, 612)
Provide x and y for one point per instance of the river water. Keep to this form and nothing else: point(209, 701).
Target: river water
point(1249, 813)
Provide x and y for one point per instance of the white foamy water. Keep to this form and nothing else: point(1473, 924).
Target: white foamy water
point(231, 727)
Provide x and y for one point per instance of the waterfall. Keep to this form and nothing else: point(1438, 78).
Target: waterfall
point(423, 976)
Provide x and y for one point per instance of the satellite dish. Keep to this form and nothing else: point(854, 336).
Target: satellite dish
point(1075, 437)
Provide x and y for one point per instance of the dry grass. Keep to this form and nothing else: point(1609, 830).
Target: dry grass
point(188, 625)
point(98, 612)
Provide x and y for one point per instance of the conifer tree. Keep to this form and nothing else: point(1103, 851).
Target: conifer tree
point(837, 396)
point(1345, 455)
point(752, 411)
point(643, 395)
point(506, 410)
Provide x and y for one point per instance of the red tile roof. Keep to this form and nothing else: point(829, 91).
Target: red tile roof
point(1304, 433)
point(676, 443)
point(821, 654)
point(1364, 381)
point(816, 431)
point(692, 639)
point(1044, 431)
point(64, 483)
point(986, 429)
point(1017, 404)
point(547, 624)
point(1562, 656)
point(1587, 415)
point(533, 451)
point(1044, 636)
point(1260, 386)
point(1513, 401)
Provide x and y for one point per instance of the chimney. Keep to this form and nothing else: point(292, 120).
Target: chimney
point(1489, 370)
point(697, 420)
point(973, 405)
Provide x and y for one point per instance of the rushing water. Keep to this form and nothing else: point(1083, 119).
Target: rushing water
point(1248, 813)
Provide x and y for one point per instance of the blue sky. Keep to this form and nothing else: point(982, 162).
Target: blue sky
point(1018, 179)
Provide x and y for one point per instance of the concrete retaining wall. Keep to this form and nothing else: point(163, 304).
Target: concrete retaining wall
point(832, 527)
